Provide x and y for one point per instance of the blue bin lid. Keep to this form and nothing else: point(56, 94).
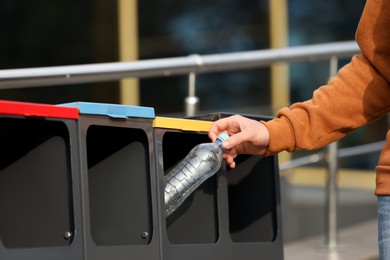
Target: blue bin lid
point(112, 110)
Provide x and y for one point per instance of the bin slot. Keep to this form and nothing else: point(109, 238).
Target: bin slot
point(119, 185)
point(252, 202)
point(35, 183)
point(196, 220)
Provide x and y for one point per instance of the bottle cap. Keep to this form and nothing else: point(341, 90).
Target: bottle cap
point(222, 137)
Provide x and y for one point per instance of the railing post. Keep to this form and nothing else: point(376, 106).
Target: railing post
point(191, 101)
point(331, 239)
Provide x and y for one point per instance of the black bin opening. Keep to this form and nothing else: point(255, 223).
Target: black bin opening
point(35, 183)
point(119, 185)
point(252, 191)
point(196, 220)
point(252, 202)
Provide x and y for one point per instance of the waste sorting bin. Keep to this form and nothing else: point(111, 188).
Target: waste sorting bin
point(234, 214)
point(85, 181)
point(40, 211)
point(117, 179)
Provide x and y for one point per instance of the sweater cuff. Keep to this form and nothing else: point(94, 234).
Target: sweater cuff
point(281, 136)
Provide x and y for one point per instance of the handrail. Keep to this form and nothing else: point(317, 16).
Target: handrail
point(343, 152)
point(100, 72)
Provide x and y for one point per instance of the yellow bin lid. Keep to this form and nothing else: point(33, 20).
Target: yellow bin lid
point(182, 124)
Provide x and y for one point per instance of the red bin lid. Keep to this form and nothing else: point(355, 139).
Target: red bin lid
point(39, 110)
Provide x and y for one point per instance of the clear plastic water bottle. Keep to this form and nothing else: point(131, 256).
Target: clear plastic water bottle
point(203, 161)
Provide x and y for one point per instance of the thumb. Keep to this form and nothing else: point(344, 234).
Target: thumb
point(233, 140)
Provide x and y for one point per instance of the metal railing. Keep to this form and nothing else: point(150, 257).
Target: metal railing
point(342, 153)
point(193, 64)
point(89, 73)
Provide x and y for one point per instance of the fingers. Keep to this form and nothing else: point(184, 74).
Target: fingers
point(246, 136)
point(229, 125)
point(218, 127)
point(231, 163)
point(229, 159)
point(233, 141)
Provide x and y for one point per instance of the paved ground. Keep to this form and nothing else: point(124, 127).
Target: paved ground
point(303, 217)
point(358, 242)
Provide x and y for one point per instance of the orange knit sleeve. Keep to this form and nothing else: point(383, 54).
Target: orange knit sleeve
point(357, 95)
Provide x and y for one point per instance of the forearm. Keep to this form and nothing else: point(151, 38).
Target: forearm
point(359, 93)
point(356, 96)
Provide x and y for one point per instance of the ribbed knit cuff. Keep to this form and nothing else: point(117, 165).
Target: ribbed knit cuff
point(281, 135)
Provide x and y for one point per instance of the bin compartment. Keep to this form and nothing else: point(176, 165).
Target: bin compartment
point(252, 200)
point(119, 189)
point(247, 202)
point(35, 183)
point(196, 220)
point(253, 193)
point(117, 181)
